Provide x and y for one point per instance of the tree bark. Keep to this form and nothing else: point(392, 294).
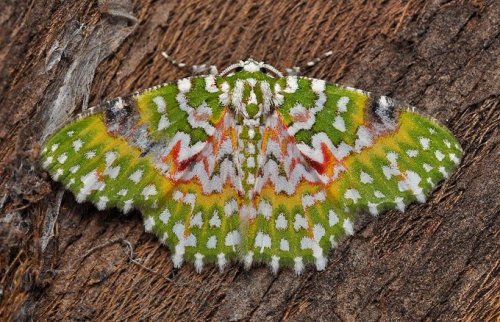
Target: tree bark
point(60, 260)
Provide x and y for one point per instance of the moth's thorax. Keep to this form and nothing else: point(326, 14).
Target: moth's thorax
point(251, 98)
point(250, 90)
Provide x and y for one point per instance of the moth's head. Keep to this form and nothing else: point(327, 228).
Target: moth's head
point(251, 69)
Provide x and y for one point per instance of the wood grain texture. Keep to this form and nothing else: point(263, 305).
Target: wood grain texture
point(63, 261)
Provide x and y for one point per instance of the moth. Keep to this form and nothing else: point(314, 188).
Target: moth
point(249, 165)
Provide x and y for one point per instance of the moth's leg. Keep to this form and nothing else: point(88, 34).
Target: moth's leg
point(296, 70)
point(194, 69)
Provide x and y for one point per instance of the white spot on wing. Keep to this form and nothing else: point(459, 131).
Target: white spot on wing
point(348, 227)
point(390, 171)
point(333, 219)
point(177, 195)
point(265, 209)
point(300, 222)
point(454, 158)
point(412, 153)
point(136, 176)
point(298, 266)
point(198, 262)
point(424, 142)
point(101, 204)
point(427, 167)
point(372, 207)
point(58, 174)
point(318, 232)
point(284, 245)
point(352, 194)
point(411, 182)
point(248, 259)
point(291, 84)
point(230, 207)
point(212, 242)
point(281, 222)
point(400, 205)
point(149, 223)
point(233, 238)
point(184, 85)
point(110, 157)
point(392, 157)
point(165, 216)
point(221, 261)
point(318, 85)
point(77, 145)
point(47, 162)
point(262, 241)
point(275, 264)
point(90, 183)
point(342, 104)
point(149, 190)
point(365, 177)
point(163, 123)
point(215, 220)
point(439, 155)
point(210, 85)
point(364, 138)
point(127, 205)
point(112, 172)
point(196, 220)
point(160, 104)
point(62, 158)
point(443, 172)
point(339, 123)
point(90, 154)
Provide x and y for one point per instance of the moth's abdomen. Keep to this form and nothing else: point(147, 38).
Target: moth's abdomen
point(249, 157)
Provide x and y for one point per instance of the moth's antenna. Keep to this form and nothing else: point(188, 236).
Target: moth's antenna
point(194, 69)
point(294, 71)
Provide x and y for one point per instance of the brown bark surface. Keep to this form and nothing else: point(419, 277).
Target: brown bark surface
point(63, 261)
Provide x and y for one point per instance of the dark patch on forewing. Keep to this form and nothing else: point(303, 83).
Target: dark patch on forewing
point(121, 116)
point(383, 110)
point(122, 119)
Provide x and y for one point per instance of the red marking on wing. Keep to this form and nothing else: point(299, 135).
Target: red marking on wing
point(100, 175)
point(184, 164)
point(302, 117)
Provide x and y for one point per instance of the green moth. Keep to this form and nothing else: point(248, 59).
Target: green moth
point(250, 165)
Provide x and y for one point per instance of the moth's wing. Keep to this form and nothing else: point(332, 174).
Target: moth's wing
point(374, 153)
point(132, 153)
point(203, 205)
